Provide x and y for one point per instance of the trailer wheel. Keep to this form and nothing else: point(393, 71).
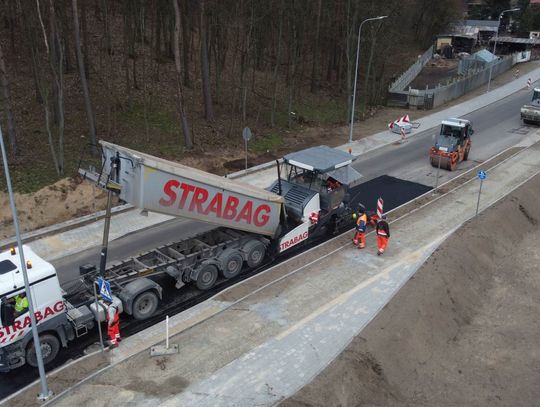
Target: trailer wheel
point(50, 345)
point(207, 277)
point(255, 252)
point(231, 263)
point(144, 305)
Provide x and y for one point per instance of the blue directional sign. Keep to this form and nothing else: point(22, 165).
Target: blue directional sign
point(482, 175)
point(104, 289)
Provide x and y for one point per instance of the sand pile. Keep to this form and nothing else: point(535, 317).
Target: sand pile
point(66, 199)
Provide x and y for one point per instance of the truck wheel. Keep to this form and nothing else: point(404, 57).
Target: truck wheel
point(255, 252)
point(144, 305)
point(231, 263)
point(49, 350)
point(207, 277)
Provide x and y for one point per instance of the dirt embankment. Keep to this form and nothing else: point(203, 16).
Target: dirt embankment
point(462, 332)
point(67, 199)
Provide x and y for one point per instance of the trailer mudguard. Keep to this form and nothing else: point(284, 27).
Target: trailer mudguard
point(136, 287)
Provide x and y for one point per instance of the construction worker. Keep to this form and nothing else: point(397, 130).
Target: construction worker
point(21, 304)
point(383, 234)
point(113, 323)
point(361, 224)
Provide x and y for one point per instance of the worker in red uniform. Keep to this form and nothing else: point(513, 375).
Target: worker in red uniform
point(361, 224)
point(383, 234)
point(113, 324)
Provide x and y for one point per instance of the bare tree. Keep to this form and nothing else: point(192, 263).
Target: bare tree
point(180, 95)
point(4, 82)
point(186, 40)
point(245, 59)
point(293, 53)
point(55, 58)
point(316, 51)
point(205, 70)
point(276, 66)
point(82, 74)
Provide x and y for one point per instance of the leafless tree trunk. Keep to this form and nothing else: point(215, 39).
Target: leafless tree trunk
point(145, 92)
point(125, 64)
point(293, 51)
point(85, 42)
point(56, 62)
point(106, 27)
point(205, 70)
point(44, 93)
point(31, 45)
point(186, 39)
point(316, 51)
point(181, 112)
point(246, 62)
point(10, 19)
point(82, 74)
point(4, 82)
point(64, 19)
point(276, 67)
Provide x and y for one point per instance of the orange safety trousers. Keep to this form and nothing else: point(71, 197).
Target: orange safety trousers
point(113, 330)
point(360, 239)
point(382, 242)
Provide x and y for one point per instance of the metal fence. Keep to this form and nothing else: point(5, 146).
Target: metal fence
point(472, 81)
point(434, 97)
point(408, 76)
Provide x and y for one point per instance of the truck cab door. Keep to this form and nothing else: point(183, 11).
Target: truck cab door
point(7, 312)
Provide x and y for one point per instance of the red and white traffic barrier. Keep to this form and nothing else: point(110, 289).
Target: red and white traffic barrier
point(529, 83)
point(380, 208)
point(402, 132)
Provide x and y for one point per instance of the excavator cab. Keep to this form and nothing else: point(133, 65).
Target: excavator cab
point(452, 145)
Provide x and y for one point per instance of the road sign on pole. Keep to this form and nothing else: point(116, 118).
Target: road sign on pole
point(482, 175)
point(97, 319)
point(104, 289)
point(246, 135)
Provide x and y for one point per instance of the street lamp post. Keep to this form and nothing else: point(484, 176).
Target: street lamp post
point(45, 392)
point(356, 72)
point(495, 44)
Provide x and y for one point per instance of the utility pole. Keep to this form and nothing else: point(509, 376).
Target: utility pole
point(45, 392)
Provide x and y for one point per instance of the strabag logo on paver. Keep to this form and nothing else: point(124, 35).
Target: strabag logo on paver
point(198, 199)
point(293, 241)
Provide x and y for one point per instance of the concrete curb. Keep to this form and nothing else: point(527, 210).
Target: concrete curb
point(62, 227)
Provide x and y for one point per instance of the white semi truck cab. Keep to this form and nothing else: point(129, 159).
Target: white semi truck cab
point(57, 321)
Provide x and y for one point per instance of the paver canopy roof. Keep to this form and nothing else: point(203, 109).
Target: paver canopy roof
point(321, 158)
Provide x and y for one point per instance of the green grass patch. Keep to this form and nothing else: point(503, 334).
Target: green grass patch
point(323, 112)
point(269, 142)
point(163, 121)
